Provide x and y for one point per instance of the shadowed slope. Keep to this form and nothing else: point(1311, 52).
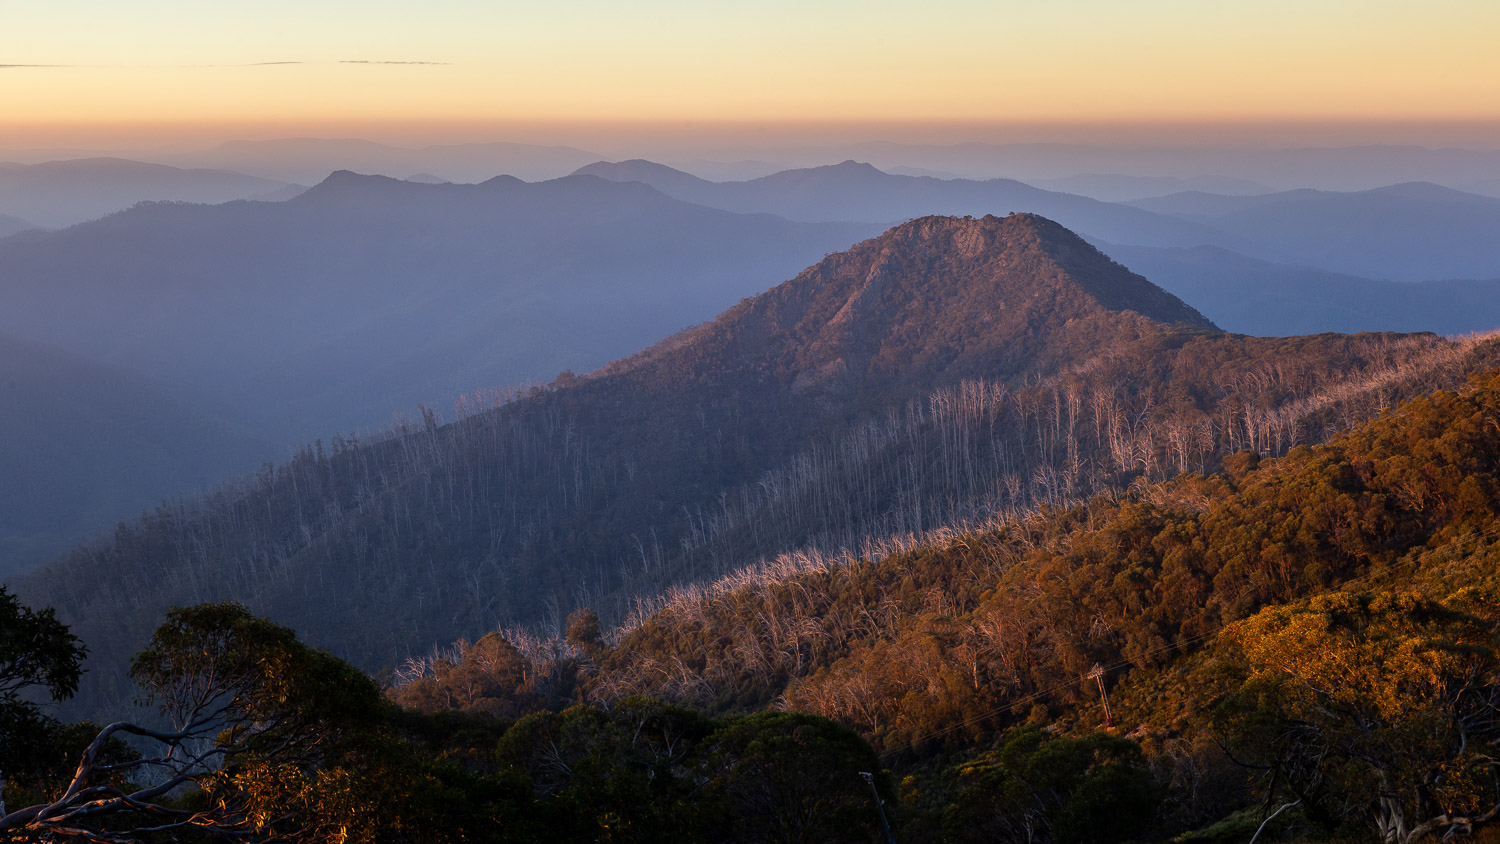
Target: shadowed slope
point(930, 301)
point(946, 370)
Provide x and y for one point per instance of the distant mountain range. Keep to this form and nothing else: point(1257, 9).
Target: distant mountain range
point(945, 370)
point(84, 445)
point(1406, 232)
point(1116, 187)
point(310, 160)
point(61, 193)
point(856, 191)
point(1252, 296)
point(367, 295)
point(1335, 168)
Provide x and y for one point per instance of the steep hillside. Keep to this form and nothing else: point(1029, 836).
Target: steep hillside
point(935, 644)
point(1284, 632)
point(930, 301)
point(943, 372)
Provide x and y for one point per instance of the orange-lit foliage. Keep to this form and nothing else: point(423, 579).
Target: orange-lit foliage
point(1375, 707)
point(940, 642)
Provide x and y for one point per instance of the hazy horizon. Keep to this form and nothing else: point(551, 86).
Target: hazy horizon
point(665, 139)
point(664, 78)
point(1233, 158)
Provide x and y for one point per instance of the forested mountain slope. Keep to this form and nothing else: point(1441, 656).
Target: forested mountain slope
point(365, 295)
point(1314, 632)
point(943, 372)
point(936, 644)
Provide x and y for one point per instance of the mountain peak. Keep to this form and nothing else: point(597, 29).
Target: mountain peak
point(1111, 285)
point(614, 170)
point(667, 179)
point(1002, 253)
point(348, 182)
point(938, 299)
point(848, 169)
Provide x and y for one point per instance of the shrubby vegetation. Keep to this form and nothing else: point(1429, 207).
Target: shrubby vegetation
point(774, 429)
point(260, 738)
point(1166, 520)
point(1372, 708)
point(1223, 608)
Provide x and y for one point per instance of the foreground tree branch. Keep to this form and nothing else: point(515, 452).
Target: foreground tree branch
point(242, 697)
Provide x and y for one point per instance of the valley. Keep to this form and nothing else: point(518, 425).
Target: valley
point(776, 423)
point(905, 491)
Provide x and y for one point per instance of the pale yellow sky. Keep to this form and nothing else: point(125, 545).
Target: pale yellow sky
point(81, 68)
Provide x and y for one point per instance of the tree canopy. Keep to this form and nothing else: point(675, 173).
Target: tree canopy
point(1381, 707)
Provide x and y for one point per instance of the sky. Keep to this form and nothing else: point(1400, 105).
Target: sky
point(101, 71)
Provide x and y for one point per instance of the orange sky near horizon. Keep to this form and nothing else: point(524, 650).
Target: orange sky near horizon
point(80, 69)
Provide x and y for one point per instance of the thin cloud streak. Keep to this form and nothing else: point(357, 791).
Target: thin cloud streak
point(344, 61)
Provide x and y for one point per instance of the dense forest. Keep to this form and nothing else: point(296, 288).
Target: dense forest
point(1295, 647)
point(1317, 630)
point(943, 374)
point(966, 534)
